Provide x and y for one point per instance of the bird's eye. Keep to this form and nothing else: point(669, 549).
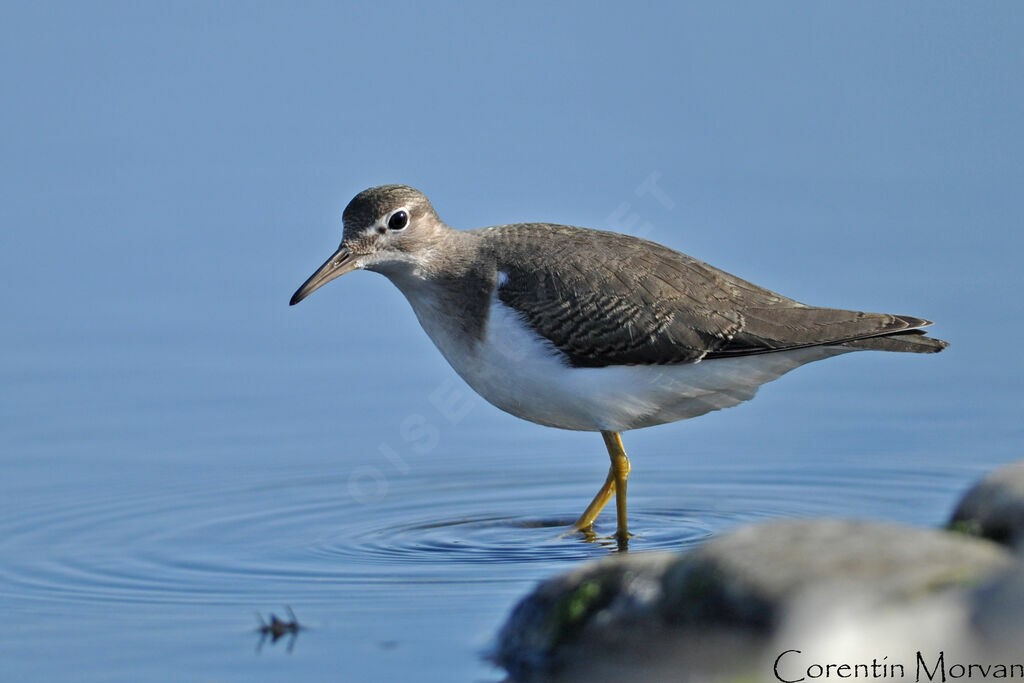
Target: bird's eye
point(398, 220)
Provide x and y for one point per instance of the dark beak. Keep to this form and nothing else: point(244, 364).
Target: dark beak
point(340, 263)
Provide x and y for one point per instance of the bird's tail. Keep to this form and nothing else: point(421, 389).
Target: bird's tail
point(910, 341)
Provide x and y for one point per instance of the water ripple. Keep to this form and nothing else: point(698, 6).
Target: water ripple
point(281, 532)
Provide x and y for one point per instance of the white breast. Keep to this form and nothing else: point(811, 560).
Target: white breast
point(523, 374)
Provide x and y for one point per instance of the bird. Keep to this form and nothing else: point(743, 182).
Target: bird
point(590, 330)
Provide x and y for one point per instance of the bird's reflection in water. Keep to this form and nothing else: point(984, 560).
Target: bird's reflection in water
point(275, 629)
point(614, 542)
point(586, 535)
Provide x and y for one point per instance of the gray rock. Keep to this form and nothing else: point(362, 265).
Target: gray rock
point(746, 578)
point(994, 507)
point(618, 593)
point(998, 612)
point(716, 608)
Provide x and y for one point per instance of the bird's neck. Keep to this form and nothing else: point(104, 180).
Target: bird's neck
point(449, 287)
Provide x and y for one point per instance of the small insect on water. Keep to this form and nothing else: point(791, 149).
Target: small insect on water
point(275, 629)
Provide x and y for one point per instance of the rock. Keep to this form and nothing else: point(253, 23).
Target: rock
point(994, 507)
point(998, 613)
point(716, 608)
point(860, 626)
point(619, 592)
point(746, 578)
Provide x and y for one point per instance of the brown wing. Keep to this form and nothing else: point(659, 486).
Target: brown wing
point(608, 299)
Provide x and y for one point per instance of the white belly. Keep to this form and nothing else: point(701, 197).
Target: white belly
point(523, 374)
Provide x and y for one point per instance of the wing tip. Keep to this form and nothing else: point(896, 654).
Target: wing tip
point(909, 341)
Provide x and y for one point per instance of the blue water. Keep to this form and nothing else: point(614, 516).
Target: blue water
point(180, 450)
point(152, 499)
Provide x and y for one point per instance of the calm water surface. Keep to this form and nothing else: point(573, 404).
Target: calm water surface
point(140, 530)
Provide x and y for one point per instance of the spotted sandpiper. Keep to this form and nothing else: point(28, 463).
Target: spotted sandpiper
point(589, 330)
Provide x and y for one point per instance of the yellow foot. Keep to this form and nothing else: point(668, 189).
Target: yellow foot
point(614, 485)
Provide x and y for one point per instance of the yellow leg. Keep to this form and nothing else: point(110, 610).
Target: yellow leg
point(586, 520)
point(614, 484)
point(620, 469)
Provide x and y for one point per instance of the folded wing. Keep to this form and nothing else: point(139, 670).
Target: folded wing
point(608, 299)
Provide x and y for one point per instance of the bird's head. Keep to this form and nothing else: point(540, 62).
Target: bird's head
point(388, 229)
